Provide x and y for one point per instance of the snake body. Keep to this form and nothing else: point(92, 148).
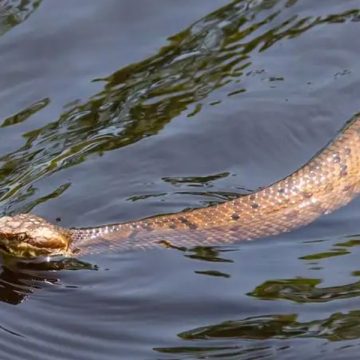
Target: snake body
point(328, 181)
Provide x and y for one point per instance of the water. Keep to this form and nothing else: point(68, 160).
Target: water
point(116, 110)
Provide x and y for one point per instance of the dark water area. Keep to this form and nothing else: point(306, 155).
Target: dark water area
point(115, 110)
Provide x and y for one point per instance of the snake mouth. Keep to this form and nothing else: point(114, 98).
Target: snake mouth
point(23, 249)
point(28, 236)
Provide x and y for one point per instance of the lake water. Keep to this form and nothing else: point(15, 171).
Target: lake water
point(114, 110)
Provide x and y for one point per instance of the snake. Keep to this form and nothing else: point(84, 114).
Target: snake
point(328, 181)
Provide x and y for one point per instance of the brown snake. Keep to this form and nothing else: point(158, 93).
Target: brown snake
point(328, 181)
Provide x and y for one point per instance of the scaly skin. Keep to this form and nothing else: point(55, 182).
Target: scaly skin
point(328, 181)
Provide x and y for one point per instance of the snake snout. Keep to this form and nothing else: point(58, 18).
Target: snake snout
point(27, 235)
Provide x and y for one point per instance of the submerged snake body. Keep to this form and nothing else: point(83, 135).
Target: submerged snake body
point(328, 181)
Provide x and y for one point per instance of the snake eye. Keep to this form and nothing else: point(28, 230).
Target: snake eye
point(22, 236)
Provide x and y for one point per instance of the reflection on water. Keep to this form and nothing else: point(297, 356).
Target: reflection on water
point(19, 279)
point(304, 290)
point(14, 12)
point(139, 100)
point(230, 338)
point(246, 302)
point(337, 327)
point(210, 254)
point(26, 113)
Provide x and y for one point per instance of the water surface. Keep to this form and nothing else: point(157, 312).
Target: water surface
point(117, 110)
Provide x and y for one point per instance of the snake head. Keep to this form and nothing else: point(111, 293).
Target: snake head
point(27, 235)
